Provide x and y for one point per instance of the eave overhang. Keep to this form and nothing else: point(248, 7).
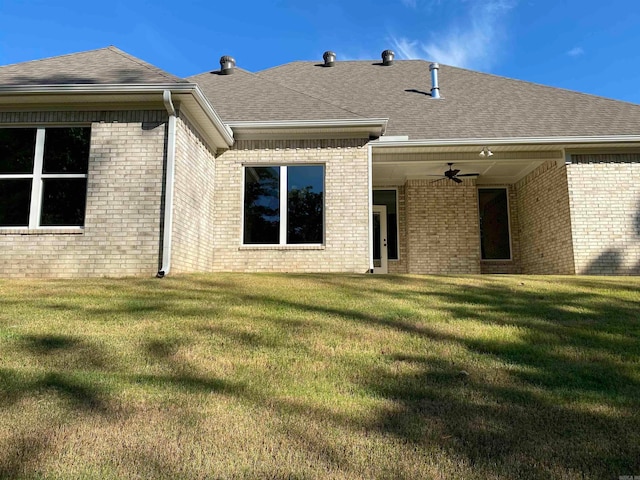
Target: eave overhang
point(309, 129)
point(187, 96)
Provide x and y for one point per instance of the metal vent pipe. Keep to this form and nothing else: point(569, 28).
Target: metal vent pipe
point(435, 88)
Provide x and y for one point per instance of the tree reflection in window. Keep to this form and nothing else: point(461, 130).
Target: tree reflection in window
point(303, 194)
point(305, 199)
point(262, 205)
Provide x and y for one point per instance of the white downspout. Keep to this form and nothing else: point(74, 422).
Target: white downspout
point(169, 181)
point(370, 209)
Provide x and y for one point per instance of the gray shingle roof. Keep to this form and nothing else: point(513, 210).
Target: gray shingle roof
point(474, 104)
point(104, 66)
point(243, 96)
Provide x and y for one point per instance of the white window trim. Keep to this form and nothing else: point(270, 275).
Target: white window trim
point(283, 208)
point(36, 177)
point(397, 219)
point(492, 260)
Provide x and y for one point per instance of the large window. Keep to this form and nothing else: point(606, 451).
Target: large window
point(284, 205)
point(389, 199)
point(494, 224)
point(43, 176)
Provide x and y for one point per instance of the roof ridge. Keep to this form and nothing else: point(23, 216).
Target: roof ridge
point(142, 63)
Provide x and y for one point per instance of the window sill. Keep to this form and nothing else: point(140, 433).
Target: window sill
point(41, 231)
point(282, 247)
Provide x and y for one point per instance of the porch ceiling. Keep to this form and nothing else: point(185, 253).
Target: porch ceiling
point(504, 167)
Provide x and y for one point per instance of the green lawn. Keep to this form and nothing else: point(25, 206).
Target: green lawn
point(320, 376)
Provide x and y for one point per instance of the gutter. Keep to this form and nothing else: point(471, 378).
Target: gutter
point(456, 142)
point(375, 127)
point(348, 122)
point(169, 183)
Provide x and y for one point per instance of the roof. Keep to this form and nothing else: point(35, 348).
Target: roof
point(474, 104)
point(103, 66)
point(243, 96)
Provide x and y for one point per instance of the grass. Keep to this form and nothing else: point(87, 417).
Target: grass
point(312, 376)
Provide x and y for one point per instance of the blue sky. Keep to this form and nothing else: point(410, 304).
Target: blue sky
point(584, 45)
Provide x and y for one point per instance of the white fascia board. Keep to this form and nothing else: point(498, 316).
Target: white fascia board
point(371, 126)
point(453, 142)
point(224, 134)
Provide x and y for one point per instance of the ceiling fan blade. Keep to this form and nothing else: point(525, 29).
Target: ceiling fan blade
point(453, 173)
point(456, 179)
point(468, 175)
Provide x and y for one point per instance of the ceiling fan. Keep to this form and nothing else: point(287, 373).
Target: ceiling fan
point(452, 174)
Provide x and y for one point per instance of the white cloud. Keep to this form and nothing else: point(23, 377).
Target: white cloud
point(470, 41)
point(575, 52)
point(406, 49)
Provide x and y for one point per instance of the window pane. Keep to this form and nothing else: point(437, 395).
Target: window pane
point(262, 205)
point(15, 201)
point(66, 150)
point(17, 149)
point(63, 202)
point(494, 224)
point(388, 198)
point(305, 200)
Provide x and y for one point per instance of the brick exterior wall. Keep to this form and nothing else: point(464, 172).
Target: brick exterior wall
point(605, 213)
point(546, 245)
point(346, 247)
point(512, 266)
point(121, 233)
point(193, 205)
point(442, 227)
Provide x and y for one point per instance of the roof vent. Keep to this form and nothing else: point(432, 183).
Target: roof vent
point(227, 65)
point(329, 58)
point(435, 88)
point(387, 57)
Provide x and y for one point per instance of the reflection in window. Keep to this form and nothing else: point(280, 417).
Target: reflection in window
point(305, 189)
point(494, 224)
point(300, 188)
point(262, 205)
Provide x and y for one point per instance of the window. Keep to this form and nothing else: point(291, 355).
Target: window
point(494, 224)
point(43, 176)
point(389, 198)
point(284, 205)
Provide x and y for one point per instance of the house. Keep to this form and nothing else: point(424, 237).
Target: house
point(110, 166)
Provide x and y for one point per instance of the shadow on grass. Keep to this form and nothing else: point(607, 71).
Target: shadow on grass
point(557, 399)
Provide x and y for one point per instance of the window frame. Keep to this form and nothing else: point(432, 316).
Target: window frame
point(510, 259)
point(283, 206)
point(396, 190)
point(37, 177)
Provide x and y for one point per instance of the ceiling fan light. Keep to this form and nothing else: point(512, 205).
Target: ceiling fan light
point(489, 153)
point(482, 153)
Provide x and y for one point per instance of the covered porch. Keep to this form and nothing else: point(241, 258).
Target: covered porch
point(526, 211)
